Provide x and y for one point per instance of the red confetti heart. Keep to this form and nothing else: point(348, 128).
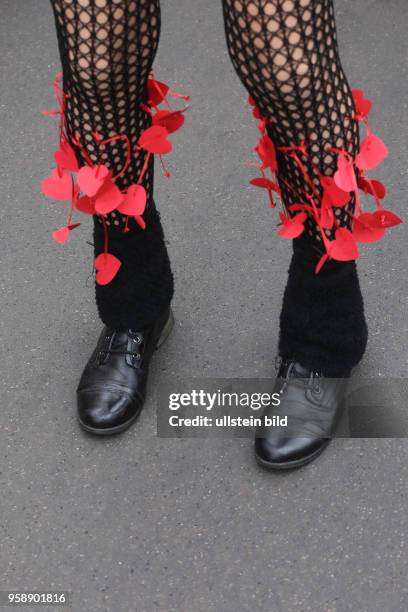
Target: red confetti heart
point(333, 195)
point(85, 205)
point(134, 203)
point(345, 177)
point(58, 186)
point(66, 158)
point(156, 91)
point(363, 106)
point(267, 153)
point(372, 152)
point(109, 198)
point(170, 120)
point(107, 266)
point(265, 184)
point(344, 247)
point(292, 227)
point(61, 235)
point(386, 218)
point(377, 186)
point(154, 140)
point(91, 179)
point(365, 228)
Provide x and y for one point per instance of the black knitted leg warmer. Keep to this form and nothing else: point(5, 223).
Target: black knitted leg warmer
point(322, 323)
point(107, 49)
point(143, 286)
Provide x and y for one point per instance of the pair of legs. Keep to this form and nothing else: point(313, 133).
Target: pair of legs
point(285, 53)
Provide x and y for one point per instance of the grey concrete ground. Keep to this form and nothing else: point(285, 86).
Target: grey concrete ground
point(138, 523)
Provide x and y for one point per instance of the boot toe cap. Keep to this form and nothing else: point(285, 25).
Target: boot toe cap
point(284, 453)
point(107, 411)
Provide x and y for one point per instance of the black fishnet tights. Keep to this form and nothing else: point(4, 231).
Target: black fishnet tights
point(285, 52)
point(107, 49)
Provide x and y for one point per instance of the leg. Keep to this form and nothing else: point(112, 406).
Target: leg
point(107, 49)
point(285, 52)
point(286, 55)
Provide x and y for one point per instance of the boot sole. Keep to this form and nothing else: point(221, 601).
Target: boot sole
point(290, 465)
point(167, 329)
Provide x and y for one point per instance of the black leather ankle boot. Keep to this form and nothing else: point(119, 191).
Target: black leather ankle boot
point(313, 406)
point(112, 388)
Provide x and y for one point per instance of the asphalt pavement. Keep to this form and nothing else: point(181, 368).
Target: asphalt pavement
point(138, 523)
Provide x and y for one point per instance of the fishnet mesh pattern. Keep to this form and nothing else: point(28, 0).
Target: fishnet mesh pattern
point(286, 54)
point(107, 49)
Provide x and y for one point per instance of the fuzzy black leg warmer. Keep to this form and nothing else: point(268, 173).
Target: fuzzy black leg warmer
point(143, 287)
point(322, 323)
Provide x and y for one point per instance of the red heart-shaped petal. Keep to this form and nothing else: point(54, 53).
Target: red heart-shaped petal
point(109, 198)
point(154, 140)
point(344, 247)
point(61, 235)
point(107, 266)
point(58, 186)
point(333, 195)
point(292, 227)
point(171, 120)
point(363, 105)
point(372, 152)
point(267, 153)
point(365, 228)
point(85, 205)
point(370, 185)
point(135, 201)
point(345, 177)
point(156, 91)
point(92, 178)
point(66, 158)
point(386, 218)
point(265, 184)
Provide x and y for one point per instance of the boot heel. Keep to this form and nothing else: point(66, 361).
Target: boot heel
point(166, 330)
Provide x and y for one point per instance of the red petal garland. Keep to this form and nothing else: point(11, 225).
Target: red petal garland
point(337, 191)
point(91, 189)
